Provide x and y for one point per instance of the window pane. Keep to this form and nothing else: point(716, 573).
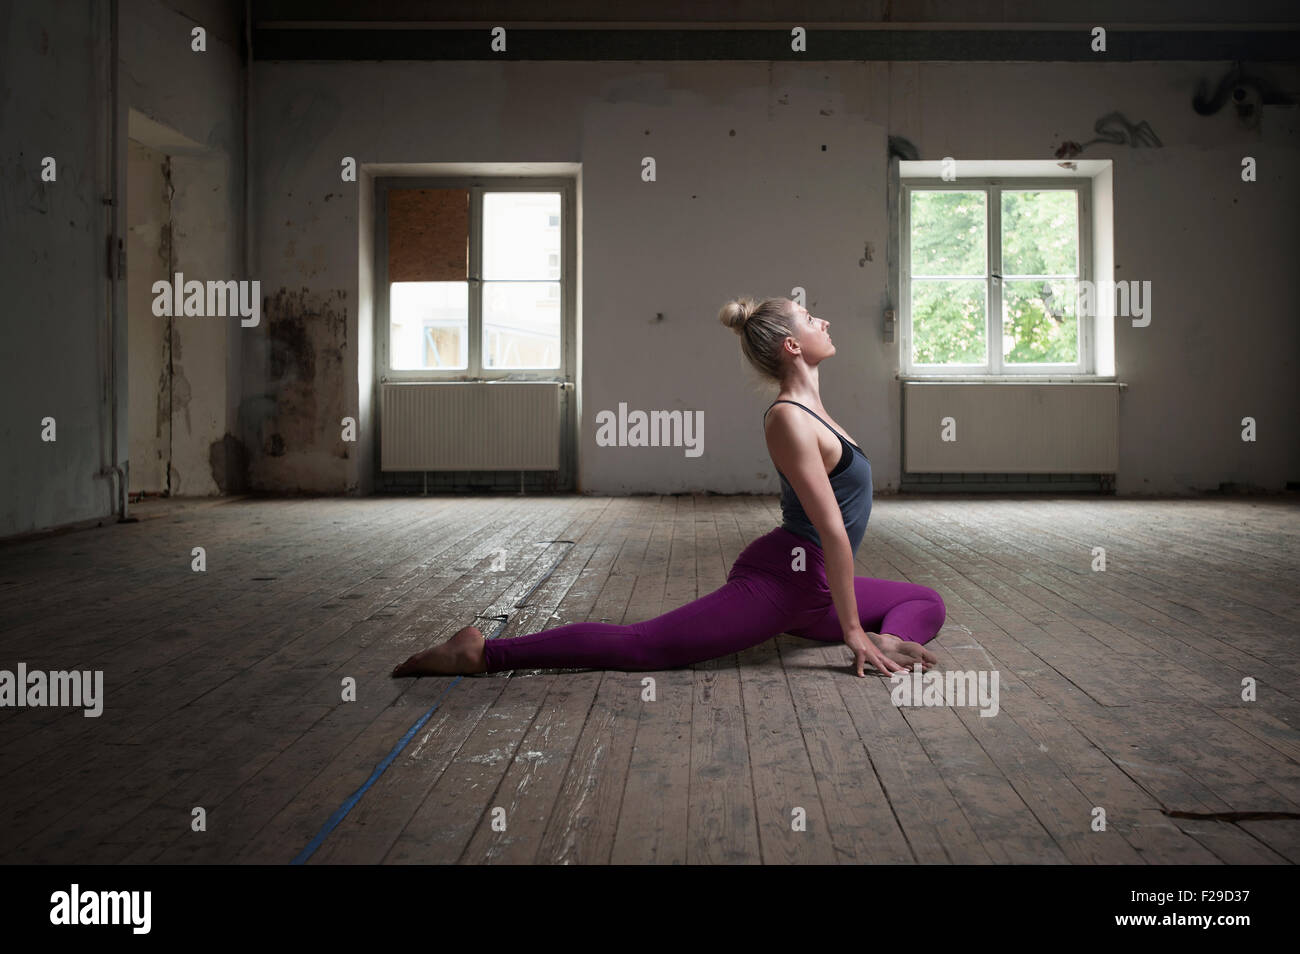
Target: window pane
point(1040, 322)
point(521, 235)
point(948, 232)
point(521, 324)
point(948, 322)
point(1040, 233)
point(429, 325)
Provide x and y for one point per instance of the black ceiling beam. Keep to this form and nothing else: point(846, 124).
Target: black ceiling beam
point(524, 43)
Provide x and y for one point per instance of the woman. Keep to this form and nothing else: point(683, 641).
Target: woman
point(797, 579)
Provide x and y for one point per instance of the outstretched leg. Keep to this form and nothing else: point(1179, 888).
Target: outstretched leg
point(904, 614)
point(733, 617)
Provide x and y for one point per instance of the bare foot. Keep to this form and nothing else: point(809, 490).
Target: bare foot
point(460, 655)
point(903, 651)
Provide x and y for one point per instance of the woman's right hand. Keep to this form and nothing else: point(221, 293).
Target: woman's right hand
point(865, 651)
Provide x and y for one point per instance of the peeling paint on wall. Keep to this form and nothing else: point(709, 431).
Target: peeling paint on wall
point(181, 391)
point(149, 337)
point(162, 422)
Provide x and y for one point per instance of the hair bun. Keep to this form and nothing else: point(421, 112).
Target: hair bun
point(736, 312)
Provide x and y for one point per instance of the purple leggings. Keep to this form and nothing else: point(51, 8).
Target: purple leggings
point(765, 595)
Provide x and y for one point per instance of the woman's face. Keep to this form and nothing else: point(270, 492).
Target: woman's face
point(813, 335)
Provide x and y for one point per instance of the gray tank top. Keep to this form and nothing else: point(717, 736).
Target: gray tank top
point(851, 481)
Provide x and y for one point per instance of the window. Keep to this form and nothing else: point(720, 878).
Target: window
point(471, 279)
point(990, 276)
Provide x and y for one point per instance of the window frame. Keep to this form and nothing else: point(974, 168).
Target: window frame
point(477, 186)
point(993, 186)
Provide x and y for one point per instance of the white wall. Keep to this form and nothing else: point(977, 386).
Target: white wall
point(747, 202)
point(756, 212)
point(52, 62)
point(55, 65)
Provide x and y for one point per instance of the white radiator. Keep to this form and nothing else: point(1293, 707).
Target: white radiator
point(1011, 428)
point(470, 426)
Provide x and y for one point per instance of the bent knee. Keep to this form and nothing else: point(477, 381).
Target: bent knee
point(939, 606)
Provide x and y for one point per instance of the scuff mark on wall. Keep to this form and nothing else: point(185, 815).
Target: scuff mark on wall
point(1116, 129)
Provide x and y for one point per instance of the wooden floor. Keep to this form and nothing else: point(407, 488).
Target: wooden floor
point(1119, 690)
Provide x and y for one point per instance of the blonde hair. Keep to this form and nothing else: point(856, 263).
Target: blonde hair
point(762, 326)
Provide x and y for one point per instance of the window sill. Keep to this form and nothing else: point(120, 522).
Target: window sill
point(1008, 379)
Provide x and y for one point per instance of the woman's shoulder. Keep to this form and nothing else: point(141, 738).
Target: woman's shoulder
point(779, 413)
point(782, 406)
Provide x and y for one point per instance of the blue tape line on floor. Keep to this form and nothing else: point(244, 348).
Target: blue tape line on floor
point(355, 797)
point(333, 821)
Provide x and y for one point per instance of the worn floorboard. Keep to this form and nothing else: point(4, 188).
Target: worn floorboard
point(256, 693)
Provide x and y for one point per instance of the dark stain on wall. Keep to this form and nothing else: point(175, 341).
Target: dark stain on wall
point(306, 336)
point(228, 459)
point(292, 355)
